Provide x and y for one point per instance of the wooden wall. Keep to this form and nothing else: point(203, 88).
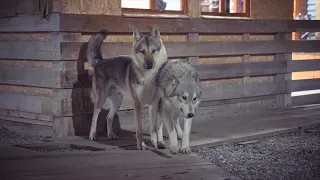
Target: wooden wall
point(272, 9)
point(260, 9)
point(45, 81)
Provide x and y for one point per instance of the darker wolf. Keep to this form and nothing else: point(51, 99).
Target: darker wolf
point(135, 74)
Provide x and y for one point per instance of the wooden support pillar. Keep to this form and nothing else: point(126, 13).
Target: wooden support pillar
point(283, 100)
point(193, 37)
point(193, 8)
point(246, 57)
point(318, 10)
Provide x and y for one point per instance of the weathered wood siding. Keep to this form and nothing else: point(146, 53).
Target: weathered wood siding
point(45, 80)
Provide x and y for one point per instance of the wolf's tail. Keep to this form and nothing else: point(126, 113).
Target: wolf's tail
point(94, 47)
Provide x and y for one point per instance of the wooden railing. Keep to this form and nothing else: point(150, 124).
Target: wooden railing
point(44, 80)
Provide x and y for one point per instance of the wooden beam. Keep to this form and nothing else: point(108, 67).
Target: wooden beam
point(219, 71)
point(303, 85)
point(24, 120)
point(30, 50)
point(70, 50)
point(38, 77)
point(193, 37)
point(283, 100)
point(119, 24)
point(304, 65)
point(13, 7)
point(30, 23)
point(27, 127)
point(306, 100)
point(236, 100)
point(220, 92)
point(43, 105)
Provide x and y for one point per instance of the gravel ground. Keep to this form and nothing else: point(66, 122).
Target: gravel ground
point(62, 150)
point(9, 137)
point(293, 156)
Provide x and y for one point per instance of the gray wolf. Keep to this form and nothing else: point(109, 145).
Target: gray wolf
point(114, 76)
point(180, 94)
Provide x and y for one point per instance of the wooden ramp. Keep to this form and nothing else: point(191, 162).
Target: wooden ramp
point(111, 164)
point(211, 128)
point(120, 160)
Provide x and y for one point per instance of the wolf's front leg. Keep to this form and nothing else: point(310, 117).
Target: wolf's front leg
point(178, 127)
point(185, 148)
point(139, 134)
point(167, 118)
point(161, 143)
point(153, 114)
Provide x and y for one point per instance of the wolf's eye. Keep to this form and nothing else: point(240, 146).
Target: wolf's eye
point(194, 99)
point(142, 51)
point(184, 97)
point(154, 50)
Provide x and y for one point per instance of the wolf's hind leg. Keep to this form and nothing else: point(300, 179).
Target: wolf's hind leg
point(115, 97)
point(99, 94)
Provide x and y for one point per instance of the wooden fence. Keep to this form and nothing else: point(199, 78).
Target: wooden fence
point(45, 82)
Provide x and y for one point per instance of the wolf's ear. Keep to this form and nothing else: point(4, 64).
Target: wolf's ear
point(155, 32)
point(136, 34)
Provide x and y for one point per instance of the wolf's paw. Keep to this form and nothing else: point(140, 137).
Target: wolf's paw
point(174, 149)
point(142, 146)
point(93, 136)
point(161, 145)
point(154, 140)
point(185, 150)
point(112, 136)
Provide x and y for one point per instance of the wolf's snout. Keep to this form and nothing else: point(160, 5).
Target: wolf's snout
point(148, 65)
point(190, 115)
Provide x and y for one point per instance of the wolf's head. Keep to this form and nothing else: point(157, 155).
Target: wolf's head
point(186, 97)
point(148, 50)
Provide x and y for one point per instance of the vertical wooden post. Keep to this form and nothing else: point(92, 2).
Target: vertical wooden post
point(193, 8)
point(317, 10)
point(246, 57)
point(193, 37)
point(283, 100)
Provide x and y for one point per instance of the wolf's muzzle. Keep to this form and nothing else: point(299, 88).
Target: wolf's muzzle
point(148, 65)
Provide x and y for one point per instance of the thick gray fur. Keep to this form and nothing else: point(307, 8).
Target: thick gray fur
point(179, 95)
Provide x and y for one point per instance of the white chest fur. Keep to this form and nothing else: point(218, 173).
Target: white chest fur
point(147, 89)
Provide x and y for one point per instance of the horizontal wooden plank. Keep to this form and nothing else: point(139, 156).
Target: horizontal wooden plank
point(32, 129)
point(222, 92)
point(21, 102)
point(303, 65)
point(306, 100)
point(119, 24)
point(237, 100)
point(24, 120)
point(30, 23)
point(211, 71)
point(303, 85)
point(71, 50)
point(26, 115)
point(30, 50)
point(37, 77)
point(13, 7)
point(41, 105)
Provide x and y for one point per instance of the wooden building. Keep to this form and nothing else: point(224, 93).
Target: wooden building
point(244, 57)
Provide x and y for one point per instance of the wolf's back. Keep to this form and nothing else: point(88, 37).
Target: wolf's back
point(94, 47)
